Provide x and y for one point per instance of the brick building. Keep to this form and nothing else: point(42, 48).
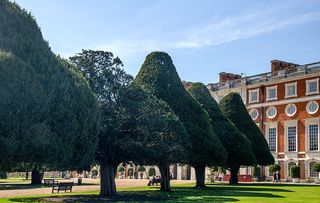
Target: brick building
point(284, 103)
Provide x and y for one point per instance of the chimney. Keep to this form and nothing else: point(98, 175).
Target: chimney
point(277, 65)
point(224, 77)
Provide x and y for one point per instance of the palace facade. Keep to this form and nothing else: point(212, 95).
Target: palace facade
point(284, 103)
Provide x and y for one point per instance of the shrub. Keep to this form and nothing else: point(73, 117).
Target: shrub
point(316, 167)
point(274, 168)
point(295, 171)
point(3, 175)
point(152, 171)
point(256, 171)
point(121, 169)
point(141, 169)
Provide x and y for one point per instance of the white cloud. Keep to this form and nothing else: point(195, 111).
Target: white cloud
point(213, 33)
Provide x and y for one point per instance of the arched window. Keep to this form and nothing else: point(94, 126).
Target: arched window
point(312, 174)
point(254, 114)
point(290, 165)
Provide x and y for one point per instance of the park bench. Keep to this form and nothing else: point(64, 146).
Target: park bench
point(62, 186)
point(49, 182)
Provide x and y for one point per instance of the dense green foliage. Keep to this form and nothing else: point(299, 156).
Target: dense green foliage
point(234, 108)
point(48, 114)
point(274, 168)
point(236, 144)
point(316, 167)
point(135, 126)
point(159, 76)
point(152, 171)
point(256, 171)
point(295, 171)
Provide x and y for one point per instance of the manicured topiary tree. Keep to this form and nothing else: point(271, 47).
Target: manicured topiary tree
point(316, 168)
point(233, 107)
point(295, 171)
point(274, 168)
point(52, 112)
point(152, 171)
point(132, 120)
point(158, 75)
point(238, 147)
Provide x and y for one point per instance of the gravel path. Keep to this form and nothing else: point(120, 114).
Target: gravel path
point(121, 183)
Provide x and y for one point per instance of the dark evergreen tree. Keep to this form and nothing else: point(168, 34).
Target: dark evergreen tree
point(156, 135)
point(234, 109)
point(158, 75)
point(135, 126)
point(236, 144)
point(48, 114)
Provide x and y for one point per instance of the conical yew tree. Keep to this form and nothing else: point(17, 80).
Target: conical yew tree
point(234, 109)
point(158, 75)
point(236, 144)
point(48, 114)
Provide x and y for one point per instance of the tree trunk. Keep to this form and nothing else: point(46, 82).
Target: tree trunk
point(36, 177)
point(165, 177)
point(234, 175)
point(107, 180)
point(200, 176)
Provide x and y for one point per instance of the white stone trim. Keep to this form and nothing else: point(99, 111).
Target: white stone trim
point(268, 109)
point(286, 89)
point(272, 125)
point(311, 121)
point(287, 101)
point(270, 88)
point(290, 123)
point(252, 91)
point(308, 105)
point(256, 110)
point(287, 107)
point(307, 86)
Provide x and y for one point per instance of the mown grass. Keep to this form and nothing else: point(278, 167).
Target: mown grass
point(251, 193)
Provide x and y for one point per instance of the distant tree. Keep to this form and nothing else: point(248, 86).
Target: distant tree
point(238, 147)
point(233, 107)
point(48, 114)
point(158, 75)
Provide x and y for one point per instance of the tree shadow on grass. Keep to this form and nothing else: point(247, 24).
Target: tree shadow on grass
point(214, 193)
point(17, 186)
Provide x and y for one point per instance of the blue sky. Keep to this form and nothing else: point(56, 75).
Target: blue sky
point(203, 37)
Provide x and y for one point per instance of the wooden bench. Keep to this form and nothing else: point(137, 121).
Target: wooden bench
point(49, 182)
point(62, 186)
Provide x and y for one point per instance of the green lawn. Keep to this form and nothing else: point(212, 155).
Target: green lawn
point(254, 193)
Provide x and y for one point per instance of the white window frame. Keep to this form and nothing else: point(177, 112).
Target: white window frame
point(268, 109)
point(313, 121)
point(275, 87)
point(286, 110)
point(307, 107)
point(307, 86)
point(254, 109)
point(292, 123)
point(286, 89)
point(272, 125)
point(250, 92)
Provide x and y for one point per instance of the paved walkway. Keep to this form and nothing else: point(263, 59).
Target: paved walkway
point(94, 186)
